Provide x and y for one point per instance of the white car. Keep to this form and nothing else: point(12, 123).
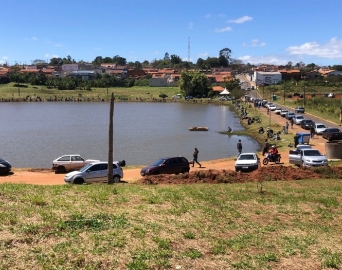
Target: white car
point(297, 119)
point(178, 96)
point(70, 163)
point(278, 110)
point(247, 162)
point(319, 128)
point(94, 172)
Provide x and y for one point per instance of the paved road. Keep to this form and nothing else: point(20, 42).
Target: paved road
point(315, 118)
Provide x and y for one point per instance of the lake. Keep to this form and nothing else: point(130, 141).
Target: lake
point(34, 134)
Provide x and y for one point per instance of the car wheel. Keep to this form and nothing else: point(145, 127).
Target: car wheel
point(60, 169)
point(116, 179)
point(185, 170)
point(78, 181)
point(236, 169)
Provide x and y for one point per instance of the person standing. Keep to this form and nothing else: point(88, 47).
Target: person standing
point(291, 122)
point(239, 147)
point(286, 127)
point(266, 147)
point(195, 157)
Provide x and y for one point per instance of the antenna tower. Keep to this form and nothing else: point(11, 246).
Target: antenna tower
point(189, 50)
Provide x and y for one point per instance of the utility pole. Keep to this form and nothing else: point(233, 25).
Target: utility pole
point(110, 179)
point(284, 91)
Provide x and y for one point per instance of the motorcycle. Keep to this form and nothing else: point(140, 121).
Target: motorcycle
point(275, 159)
point(261, 130)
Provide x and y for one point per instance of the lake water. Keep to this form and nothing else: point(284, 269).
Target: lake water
point(34, 134)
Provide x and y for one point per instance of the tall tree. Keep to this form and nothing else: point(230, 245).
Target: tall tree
point(175, 59)
point(226, 53)
point(167, 56)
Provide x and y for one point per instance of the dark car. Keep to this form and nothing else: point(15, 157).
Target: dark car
point(5, 167)
point(307, 124)
point(300, 110)
point(169, 165)
point(332, 134)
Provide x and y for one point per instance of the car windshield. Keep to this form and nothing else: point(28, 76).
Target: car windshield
point(299, 117)
point(84, 168)
point(333, 130)
point(246, 157)
point(320, 126)
point(159, 162)
point(312, 153)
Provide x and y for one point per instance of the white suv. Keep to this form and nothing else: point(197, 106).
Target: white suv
point(94, 172)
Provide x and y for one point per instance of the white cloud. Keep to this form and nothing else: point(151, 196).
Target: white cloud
point(269, 59)
point(190, 25)
point(51, 56)
point(97, 48)
point(34, 38)
point(58, 45)
point(207, 16)
point(331, 49)
point(203, 55)
point(241, 19)
point(255, 43)
point(221, 30)
point(4, 57)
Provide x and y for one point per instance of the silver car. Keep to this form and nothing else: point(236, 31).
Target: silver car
point(308, 158)
point(94, 172)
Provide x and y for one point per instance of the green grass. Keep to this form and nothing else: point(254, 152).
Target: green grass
point(129, 226)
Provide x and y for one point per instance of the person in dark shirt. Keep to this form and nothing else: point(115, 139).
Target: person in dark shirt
point(195, 157)
point(239, 147)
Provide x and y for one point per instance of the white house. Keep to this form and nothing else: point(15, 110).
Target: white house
point(261, 77)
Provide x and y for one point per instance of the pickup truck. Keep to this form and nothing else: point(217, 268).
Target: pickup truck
point(307, 157)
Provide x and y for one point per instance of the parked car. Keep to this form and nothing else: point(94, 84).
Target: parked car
point(277, 110)
point(70, 163)
point(5, 167)
point(247, 162)
point(331, 95)
point(94, 172)
point(289, 115)
point(307, 124)
point(177, 96)
point(272, 107)
point(283, 113)
point(319, 128)
point(307, 157)
point(169, 165)
point(297, 119)
point(300, 110)
point(332, 134)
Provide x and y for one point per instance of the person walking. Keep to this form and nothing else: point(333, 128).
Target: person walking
point(286, 127)
point(291, 122)
point(266, 147)
point(312, 131)
point(239, 147)
point(195, 155)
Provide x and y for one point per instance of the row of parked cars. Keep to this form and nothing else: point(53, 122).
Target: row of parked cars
point(89, 170)
point(328, 133)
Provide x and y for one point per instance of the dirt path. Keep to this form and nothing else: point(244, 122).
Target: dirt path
point(48, 177)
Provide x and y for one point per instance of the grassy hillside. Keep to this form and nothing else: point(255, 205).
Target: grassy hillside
point(128, 226)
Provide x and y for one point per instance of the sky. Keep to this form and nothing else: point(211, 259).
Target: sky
point(256, 31)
